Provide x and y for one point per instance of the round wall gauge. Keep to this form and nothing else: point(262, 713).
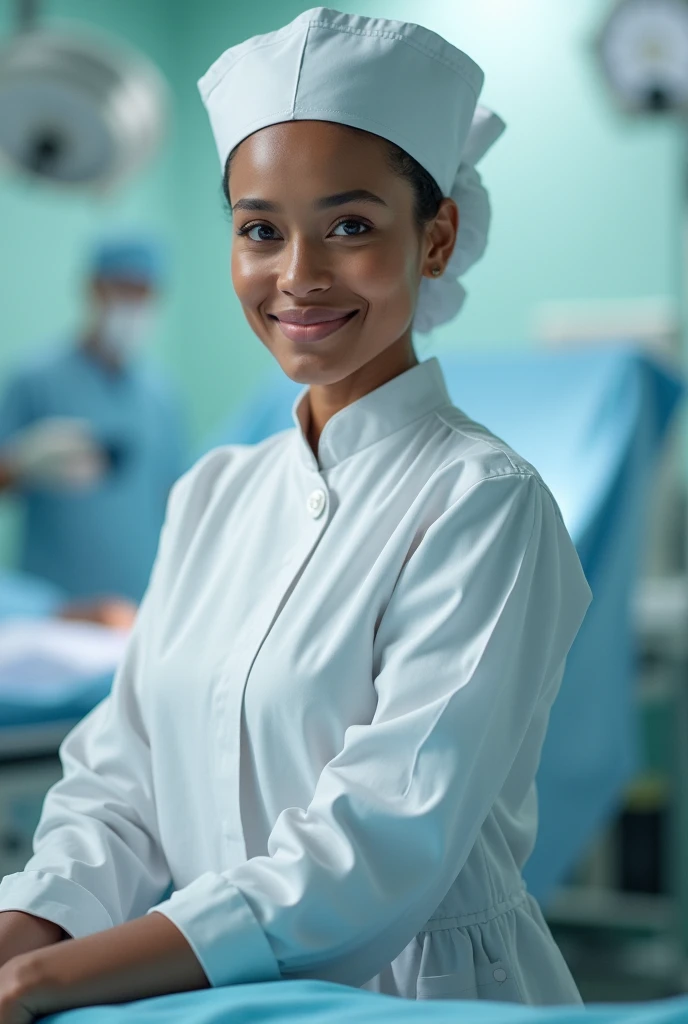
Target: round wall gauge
point(644, 52)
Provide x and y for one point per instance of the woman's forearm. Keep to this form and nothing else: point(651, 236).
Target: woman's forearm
point(145, 957)
point(23, 933)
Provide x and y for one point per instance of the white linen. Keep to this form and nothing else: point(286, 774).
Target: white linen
point(325, 731)
point(41, 654)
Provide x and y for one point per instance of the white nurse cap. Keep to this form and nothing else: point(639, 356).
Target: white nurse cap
point(391, 78)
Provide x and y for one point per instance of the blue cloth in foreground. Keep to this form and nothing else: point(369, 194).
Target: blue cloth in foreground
point(592, 421)
point(102, 540)
point(304, 1002)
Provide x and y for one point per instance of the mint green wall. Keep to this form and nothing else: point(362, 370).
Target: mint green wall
point(585, 203)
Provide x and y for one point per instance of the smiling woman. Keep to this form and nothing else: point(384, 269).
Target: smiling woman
point(338, 254)
point(324, 736)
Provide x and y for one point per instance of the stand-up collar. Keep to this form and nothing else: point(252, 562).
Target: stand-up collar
point(395, 404)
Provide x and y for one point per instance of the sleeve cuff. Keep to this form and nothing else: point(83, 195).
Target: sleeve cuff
point(220, 927)
point(56, 899)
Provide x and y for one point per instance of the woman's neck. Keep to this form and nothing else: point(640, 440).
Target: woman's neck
point(327, 399)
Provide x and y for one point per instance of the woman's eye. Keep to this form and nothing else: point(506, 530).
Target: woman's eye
point(265, 233)
point(351, 227)
point(258, 232)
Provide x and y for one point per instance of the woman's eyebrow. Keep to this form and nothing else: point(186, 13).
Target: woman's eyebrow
point(355, 195)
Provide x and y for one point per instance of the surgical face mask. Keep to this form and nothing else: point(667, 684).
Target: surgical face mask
point(125, 325)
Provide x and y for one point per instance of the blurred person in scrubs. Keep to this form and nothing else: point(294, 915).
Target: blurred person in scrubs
point(92, 437)
point(318, 757)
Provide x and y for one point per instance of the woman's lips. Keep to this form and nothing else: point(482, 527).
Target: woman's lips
point(313, 332)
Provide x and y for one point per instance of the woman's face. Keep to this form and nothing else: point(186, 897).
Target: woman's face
point(323, 230)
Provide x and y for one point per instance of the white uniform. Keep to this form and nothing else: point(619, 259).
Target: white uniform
point(325, 732)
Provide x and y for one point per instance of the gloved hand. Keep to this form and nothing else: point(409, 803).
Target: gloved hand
point(55, 452)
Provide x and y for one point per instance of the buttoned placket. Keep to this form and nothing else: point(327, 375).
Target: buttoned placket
point(233, 671)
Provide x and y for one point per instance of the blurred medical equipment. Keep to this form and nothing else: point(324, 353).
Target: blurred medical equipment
point(75, 109)
point(643, 49)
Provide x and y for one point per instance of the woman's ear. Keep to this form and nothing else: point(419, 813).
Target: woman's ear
point(440, 238)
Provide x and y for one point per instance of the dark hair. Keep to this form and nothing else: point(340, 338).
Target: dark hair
point(426, 191)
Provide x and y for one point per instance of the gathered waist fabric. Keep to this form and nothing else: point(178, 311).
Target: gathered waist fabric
point(504, 952)
point(441, 920)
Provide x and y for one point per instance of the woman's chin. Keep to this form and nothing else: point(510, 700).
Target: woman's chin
point(315, 367)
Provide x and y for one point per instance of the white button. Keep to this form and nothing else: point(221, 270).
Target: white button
point(499, 974)
point(316, 503)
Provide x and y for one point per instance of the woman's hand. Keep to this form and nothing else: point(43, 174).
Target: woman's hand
point(143, 958)
point(18, 979)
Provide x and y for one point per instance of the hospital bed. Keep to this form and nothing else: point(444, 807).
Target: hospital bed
point(51, 674)
point(593, 422)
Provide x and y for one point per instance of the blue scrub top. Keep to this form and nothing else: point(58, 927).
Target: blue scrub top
point(102, 540)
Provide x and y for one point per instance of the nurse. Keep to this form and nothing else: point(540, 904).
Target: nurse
point(92, 438)
point(325, 734)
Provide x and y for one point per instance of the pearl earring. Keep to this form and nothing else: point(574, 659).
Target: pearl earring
point(436, 271)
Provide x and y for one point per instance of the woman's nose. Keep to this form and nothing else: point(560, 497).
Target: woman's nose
point(304, 269)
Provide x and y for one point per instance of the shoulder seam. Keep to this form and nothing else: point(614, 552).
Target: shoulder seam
point(525, 473)
point(486, 441)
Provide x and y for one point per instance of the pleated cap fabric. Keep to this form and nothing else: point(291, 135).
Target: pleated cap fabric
point(392, 78)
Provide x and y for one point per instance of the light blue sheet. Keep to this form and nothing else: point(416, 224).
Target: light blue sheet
point(319, 1002)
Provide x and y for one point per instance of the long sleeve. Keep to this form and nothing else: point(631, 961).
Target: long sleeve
point(97, 857)
point(471, 644)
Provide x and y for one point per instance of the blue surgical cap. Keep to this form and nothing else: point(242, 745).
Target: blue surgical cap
point(129, 259)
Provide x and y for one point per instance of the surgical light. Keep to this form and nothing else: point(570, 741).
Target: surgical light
point(77, 110)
